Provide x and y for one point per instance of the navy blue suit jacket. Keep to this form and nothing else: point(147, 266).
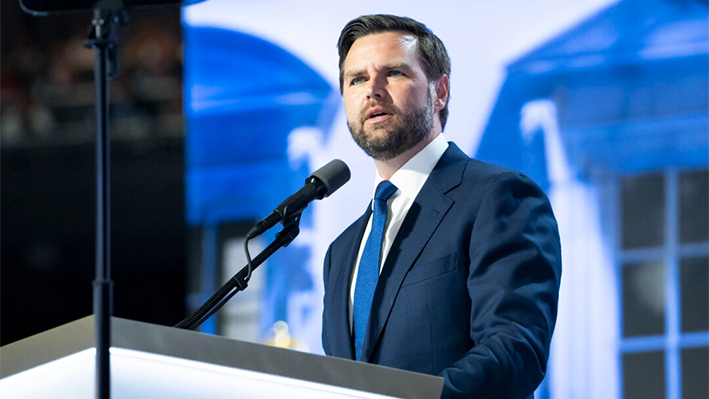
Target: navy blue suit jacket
point(469, 289)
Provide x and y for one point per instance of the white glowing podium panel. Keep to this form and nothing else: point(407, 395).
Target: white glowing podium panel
point(150, 361)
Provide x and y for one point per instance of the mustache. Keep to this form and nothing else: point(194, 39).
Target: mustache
point(389, 108)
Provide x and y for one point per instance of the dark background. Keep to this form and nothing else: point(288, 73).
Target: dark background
point(47, 171)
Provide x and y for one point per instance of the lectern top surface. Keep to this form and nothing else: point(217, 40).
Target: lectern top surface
point(137, 344)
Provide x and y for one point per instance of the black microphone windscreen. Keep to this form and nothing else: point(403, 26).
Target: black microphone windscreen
point(334, 175)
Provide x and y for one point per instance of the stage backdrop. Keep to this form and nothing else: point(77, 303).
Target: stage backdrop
point(588, 97)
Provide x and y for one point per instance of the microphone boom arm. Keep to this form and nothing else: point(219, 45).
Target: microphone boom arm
point(238, 282)
point(319, 185)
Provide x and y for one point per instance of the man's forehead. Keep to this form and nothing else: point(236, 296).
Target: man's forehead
point(404, 40)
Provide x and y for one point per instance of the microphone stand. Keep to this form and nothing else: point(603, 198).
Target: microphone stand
point(320, 184)
point(238, 282)
point(103, 38)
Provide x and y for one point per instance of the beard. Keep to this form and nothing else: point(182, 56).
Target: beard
point(405, 131)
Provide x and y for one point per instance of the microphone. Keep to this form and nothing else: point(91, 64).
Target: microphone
point(319, 185)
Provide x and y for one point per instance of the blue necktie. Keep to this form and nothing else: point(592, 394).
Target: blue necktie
point(368, 272)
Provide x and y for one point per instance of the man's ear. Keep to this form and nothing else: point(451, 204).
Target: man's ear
point(441, 88)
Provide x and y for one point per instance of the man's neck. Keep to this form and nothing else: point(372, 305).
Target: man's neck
point(386, 169)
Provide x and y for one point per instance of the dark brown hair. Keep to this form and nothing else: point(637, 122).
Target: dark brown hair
point(431, 50)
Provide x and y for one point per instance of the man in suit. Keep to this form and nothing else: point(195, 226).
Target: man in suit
point(454, 268)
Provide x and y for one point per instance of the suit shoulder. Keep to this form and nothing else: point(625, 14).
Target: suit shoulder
point(483, 172)
point(474, 167)
point(456, 169)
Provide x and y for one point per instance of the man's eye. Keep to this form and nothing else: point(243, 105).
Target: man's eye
point(357, 80)
point(396, 73)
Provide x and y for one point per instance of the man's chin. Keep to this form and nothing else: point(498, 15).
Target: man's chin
point(374, 133)
point(377, 134)
point(384, 150)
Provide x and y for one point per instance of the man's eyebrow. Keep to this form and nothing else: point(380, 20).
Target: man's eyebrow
point(392, 65)
point(395, 65)
point(355, 72)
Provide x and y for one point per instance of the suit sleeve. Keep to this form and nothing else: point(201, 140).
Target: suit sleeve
point(513, 283)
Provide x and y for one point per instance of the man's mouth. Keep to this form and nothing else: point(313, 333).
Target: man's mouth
point(377, 115)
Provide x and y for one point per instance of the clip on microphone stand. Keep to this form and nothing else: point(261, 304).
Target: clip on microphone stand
point(103, 38)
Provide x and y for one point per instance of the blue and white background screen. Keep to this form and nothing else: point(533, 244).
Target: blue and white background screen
point(576, 94)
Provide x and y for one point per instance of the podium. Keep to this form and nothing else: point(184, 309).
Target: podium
point(151, 361)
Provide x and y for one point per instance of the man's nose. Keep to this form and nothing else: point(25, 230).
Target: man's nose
point(377, 87)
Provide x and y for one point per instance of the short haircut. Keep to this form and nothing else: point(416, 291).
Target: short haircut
point(431, 50)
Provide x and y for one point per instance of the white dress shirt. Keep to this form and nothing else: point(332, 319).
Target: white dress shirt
point(408, 180)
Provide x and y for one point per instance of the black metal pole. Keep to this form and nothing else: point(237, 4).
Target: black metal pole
point(108, 15)
point(103, 286)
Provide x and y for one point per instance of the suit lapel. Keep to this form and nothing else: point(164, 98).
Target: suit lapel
point(420, 223)
point(343, 268)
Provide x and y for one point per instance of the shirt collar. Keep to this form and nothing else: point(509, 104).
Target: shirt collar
point(413, 174)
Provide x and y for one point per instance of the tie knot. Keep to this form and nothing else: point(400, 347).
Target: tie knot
point(385, 189)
